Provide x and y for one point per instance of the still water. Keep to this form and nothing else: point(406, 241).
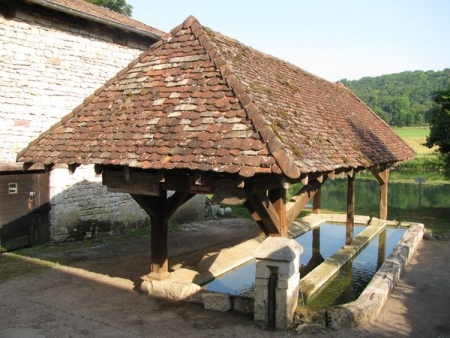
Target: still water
point(318, 245)
point(353, 278)
point(401, 195)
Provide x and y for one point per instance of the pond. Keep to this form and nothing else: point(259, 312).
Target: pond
point(402, 195)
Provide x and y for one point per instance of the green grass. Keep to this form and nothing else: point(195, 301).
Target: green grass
point(427, 163)
point(12, 266)
point(416, 137)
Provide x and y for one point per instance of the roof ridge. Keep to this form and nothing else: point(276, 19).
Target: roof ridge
point(285, 164)
point(91, 97)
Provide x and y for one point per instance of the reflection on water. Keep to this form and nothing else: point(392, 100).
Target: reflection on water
point(318, 245)
point(401, 195)
point(355, 275)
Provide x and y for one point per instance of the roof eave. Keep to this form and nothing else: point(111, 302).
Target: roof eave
point(94, 18)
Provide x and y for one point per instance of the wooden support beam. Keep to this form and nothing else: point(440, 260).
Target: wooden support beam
point(160, 209)
point(277, 198)
point(261, 184)
point(351, 185)
point(262, 228)
point(136, 183)
point(297, 202)
point(266, 214)
point(382, 176)
point(316, 201)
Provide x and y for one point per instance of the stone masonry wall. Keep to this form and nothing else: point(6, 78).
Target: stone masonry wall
point(81, 206)
point(49, 63)
point(47, 68)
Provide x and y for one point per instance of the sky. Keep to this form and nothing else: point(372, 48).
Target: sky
point(333, 39)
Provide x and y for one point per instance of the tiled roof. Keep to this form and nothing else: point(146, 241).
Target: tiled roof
point(98, 13)
point(202, 101)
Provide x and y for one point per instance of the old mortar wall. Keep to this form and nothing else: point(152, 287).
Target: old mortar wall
point(50, 63)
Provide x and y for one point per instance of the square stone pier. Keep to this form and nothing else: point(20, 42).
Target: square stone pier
point(277, 281)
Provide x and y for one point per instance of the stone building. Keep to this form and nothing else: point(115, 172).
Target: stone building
point(54, 54)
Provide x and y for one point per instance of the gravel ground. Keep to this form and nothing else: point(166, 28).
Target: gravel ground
point(98, 294)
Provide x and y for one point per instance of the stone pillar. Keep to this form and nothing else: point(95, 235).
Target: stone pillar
point(277, 281)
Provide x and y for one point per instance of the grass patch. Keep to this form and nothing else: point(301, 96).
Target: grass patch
point(415, 137)
point(427, 163)
point(12, 266)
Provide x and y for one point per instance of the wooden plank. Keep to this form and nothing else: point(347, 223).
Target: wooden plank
point(138, 183)
point(260, 184)
point(351, 185)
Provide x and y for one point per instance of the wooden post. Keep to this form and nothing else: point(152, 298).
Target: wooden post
point(316, 201)
point(278, 199)
point(159, 265)
point(160, 209)
point(350, 208)
point(384, 195)
point(382, 177)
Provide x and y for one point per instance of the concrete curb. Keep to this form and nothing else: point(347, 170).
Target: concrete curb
point(372, 300)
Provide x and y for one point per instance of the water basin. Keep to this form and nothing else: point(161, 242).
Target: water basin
point(318, 245)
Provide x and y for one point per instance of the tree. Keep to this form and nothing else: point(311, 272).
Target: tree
point(119, 6)
point(440, 127)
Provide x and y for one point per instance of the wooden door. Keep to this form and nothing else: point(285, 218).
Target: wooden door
point(24, 210)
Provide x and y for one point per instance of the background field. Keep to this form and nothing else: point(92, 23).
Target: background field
point(415, 137)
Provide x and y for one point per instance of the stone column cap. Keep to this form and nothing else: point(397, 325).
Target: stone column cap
point(278, 249)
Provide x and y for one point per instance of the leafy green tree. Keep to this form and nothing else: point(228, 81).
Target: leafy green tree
point(119, 6)
point(440, 127)
point(394, 97)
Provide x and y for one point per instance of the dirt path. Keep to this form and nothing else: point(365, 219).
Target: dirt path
point(100, 300)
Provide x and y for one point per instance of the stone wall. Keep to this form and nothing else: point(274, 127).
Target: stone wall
point(81, 206)
point(49, 63)
point(48, 67)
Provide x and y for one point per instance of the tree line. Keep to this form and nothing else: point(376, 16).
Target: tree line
point(402, 99)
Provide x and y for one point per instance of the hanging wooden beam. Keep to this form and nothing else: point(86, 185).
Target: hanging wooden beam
point(382, 176)
point(351, 188)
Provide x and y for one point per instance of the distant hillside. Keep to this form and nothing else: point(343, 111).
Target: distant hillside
point(402, 99)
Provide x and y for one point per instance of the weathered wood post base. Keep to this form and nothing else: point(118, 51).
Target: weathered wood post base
point(351, 188)
point(277, 281)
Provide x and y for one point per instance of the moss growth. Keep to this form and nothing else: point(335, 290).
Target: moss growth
point(297, 152)
point(277, 133)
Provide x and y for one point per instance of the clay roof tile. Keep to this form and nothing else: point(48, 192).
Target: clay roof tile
point(241, 111)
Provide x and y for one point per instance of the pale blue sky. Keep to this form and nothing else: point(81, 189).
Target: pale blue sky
point(333, 39)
